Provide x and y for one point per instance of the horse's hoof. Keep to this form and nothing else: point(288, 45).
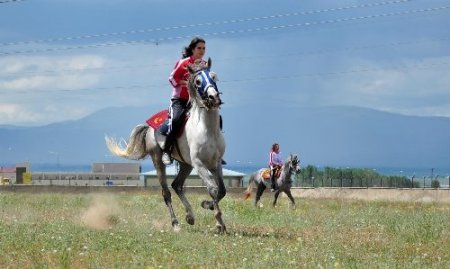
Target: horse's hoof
point(207, 205)
point(190, 219)
point(176, 228)
point(221, 229)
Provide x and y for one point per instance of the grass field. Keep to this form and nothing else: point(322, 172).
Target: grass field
point(132, 230)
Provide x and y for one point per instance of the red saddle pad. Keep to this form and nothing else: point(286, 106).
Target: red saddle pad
point(158, 119)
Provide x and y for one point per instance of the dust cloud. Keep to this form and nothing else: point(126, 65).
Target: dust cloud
point(102, 213)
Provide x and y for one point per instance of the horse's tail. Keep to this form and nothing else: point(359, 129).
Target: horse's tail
point(248, 192)
point(134, 149)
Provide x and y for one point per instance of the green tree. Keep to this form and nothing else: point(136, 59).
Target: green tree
point(435, 184)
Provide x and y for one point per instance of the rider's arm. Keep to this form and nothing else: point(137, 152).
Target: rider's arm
point(178, 72)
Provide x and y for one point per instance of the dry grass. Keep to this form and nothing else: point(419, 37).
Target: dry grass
point(132, 230)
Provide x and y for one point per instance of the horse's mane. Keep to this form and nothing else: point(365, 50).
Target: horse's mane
point(285, 167)
point(287, 162)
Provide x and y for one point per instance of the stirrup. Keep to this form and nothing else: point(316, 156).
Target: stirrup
point(166, 158)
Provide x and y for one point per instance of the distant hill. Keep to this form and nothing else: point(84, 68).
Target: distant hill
point(324, 136)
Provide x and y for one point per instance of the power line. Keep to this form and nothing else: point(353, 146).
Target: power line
point(240, 58)
point(244, 80)
point(234, 32)
point(231, 21)
point(363, 70)
point(10, 1)
point(112, 68)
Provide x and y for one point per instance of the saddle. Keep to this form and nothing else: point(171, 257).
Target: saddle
point(266, 174)
point(160, 122)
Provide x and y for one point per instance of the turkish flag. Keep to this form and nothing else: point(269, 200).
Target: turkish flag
point(157, 119)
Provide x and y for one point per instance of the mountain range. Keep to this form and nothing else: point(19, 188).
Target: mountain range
point(323, 136)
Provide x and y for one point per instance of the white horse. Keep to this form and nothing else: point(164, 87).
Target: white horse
point(284, 181)
point(201, 146)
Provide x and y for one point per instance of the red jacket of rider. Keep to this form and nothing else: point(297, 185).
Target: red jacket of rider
point(179, 73)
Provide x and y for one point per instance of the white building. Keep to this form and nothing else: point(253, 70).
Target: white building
point(231, 178)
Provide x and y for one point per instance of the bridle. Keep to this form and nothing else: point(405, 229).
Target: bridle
point(293, 164)
point(203, 80)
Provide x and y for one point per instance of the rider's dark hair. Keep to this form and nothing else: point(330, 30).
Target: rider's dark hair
point(274, 146)
point(189, 50)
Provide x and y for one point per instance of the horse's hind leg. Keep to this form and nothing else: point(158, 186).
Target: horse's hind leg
point(289, 194)
point(259, 191)
point(161, 172)
point(178, 186)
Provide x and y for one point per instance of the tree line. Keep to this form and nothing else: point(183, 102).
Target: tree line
point(311, 176)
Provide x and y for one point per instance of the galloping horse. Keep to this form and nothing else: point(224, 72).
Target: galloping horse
point(200, 146)
point(284, 181)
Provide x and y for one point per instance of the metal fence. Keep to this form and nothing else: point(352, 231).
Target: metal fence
point(382, 181)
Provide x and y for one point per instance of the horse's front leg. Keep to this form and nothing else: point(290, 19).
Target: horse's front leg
point(161, 172)
point(217, 191)
point(275, 197)
point(289, 194)
point(178, 186)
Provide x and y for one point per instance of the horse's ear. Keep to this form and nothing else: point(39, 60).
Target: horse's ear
point(209, 63)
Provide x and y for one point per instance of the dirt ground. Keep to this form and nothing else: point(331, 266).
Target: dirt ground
point(381, 194)
point(371, 194)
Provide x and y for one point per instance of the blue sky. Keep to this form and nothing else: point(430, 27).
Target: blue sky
point(63, 60)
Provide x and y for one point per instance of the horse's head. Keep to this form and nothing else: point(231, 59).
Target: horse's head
point(294, 163)
point(202, 86)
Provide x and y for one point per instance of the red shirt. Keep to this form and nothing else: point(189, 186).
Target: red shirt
point(180, 72)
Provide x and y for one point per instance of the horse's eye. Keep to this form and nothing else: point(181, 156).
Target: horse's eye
point(198, 82)
point(214, 76)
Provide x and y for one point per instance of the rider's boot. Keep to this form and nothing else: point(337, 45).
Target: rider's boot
point(272, 180)
point(166, 158)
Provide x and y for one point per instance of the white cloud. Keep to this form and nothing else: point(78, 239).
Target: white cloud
point(414, 88)
point(49, 82)
point(29, 73)
point(30, 84)
point(13, 113)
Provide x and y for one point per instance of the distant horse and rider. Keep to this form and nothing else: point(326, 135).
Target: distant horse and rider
point(283, 178)
point(201, 146)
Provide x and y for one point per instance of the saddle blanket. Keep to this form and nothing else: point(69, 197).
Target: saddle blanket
point(266, 174)
point(158, 119)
